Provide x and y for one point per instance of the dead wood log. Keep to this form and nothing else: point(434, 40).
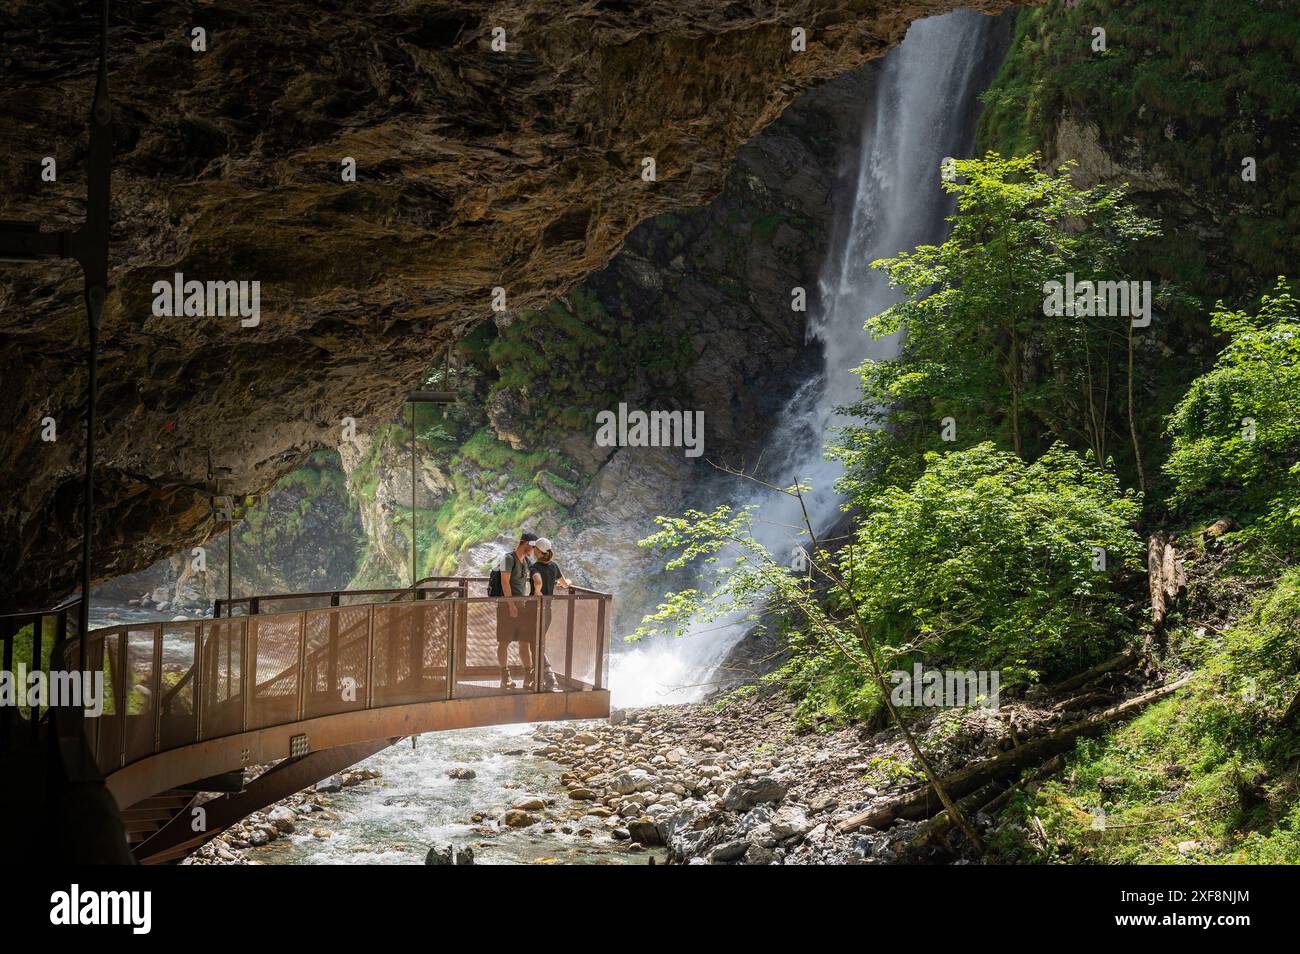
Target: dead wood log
point(1084, 701)
point(922, 803)
point(1165, 575)
point(1115, 663)
point(1291, 711)
point(1050, 767)
point(933, 829)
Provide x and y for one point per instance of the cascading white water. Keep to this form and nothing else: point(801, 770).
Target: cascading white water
point(919, 112)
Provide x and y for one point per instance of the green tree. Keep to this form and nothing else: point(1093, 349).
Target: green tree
point(979, 346)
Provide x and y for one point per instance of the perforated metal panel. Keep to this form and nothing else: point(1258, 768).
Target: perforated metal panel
point(274, 644)
point(178, 720)
point(337, 658)
point(141, 692)
point(222, 712)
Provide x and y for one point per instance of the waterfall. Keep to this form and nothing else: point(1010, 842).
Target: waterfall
point(921, 110)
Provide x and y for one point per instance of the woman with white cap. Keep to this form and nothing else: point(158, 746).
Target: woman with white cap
point(546, 576)
point(546, 573)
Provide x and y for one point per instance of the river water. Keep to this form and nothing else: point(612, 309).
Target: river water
point(396, 818)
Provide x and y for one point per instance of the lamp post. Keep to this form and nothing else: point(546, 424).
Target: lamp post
point(225, 507)
point(415, 400)
point(88, 245)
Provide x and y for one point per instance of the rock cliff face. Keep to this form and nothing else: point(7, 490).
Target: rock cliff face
point(475, 169)
point(699, 307)
point(305, 535)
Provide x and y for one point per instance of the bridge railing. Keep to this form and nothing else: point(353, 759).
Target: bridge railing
point(169, 684)
point(27, 640)
point(283, 602)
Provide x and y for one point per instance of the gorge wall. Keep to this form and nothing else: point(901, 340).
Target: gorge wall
point(476, 170)
point(693, 314)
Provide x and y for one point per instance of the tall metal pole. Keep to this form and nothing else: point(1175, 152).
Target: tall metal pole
point(414, 406)
point(230, 554)
point(91, 241)
point(417, 398)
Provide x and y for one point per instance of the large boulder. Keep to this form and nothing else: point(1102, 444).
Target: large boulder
point(749, 792)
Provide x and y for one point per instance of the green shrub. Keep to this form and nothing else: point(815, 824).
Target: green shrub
point(993, 563)
point(1236, 433)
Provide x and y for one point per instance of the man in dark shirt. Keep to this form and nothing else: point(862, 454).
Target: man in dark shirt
point(516, 621)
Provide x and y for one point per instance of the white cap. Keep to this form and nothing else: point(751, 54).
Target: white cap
point(543, 544)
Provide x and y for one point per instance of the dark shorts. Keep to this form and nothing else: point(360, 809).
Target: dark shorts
point(521, 628)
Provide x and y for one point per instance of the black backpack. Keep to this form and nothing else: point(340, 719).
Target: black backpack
point(496, 585)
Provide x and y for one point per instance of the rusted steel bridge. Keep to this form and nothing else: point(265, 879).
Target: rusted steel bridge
point(312, 682)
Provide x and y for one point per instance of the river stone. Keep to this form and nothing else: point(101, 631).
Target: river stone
point(516, 818)
point(729, 851)
point(331, 784)
point(529, 805)
point(789, 821)
point(464, 856)
point(439, 856)
point(645, 831)
point(762, 836)
point(745, 794)
point(580, 794)
point(636, 780)
point(282, 818)
point(461, 773)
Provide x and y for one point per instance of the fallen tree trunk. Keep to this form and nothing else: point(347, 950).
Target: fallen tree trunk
point(1085, 701)
point(1051, 766)
point(988, 799)
point(921, 802)
point(1119, 662)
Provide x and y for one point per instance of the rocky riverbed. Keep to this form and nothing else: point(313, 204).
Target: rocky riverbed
point(693, 784)
point(739, 785)
point(307, 812)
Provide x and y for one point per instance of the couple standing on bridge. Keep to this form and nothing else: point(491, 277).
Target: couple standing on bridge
point(517, 575)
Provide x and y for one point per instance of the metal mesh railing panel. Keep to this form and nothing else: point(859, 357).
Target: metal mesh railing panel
point(275, 642)
point(221, 712)
point(178, 720)
point(141, 693)
point(337, 643)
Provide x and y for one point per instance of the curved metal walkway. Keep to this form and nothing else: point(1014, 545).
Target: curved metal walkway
point(313, 682)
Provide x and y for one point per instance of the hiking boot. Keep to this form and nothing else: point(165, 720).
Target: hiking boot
point(548, 681)
point(506, 682)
